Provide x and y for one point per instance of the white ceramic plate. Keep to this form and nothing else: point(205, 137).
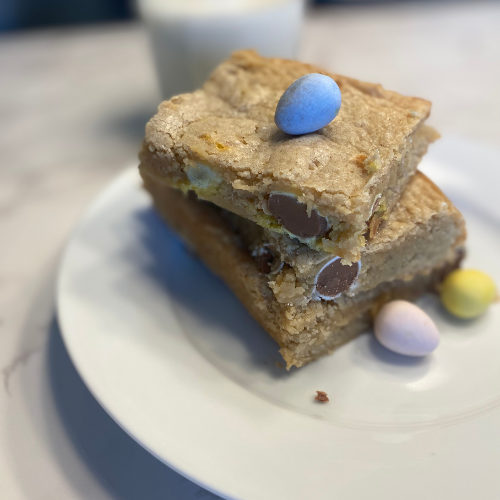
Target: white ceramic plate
point(180, 365)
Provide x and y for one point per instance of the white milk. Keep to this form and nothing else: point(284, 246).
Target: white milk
point(190, 37)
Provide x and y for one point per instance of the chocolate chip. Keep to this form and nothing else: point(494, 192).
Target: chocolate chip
point(292, 215)
point(336, 278)
point(264, 261)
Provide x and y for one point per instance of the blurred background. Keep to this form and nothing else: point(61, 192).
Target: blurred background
point(78, 81)
point(22, 14)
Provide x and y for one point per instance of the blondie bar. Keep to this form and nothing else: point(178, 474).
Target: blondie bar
point(321, 188)
point(309, 330)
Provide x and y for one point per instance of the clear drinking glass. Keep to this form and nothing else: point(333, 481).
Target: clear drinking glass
point(190, 37)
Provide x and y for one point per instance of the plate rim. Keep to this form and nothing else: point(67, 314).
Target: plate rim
point(124, 179)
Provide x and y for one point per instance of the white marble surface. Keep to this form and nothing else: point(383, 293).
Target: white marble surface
point(73, 104)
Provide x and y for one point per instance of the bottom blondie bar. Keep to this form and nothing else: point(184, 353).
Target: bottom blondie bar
point(307, 331)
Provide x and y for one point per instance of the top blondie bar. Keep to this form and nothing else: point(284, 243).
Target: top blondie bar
point(329, 189)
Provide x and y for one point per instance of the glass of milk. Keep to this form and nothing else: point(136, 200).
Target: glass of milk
point(190, 37)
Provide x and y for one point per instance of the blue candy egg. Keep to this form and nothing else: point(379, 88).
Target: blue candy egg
point(310, 103)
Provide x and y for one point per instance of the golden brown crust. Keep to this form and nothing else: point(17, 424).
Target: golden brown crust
point(228, 125)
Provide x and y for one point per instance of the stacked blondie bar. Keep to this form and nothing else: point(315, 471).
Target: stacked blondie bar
point(314, 233)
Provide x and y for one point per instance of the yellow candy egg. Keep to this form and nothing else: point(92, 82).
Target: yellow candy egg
point(467, 293)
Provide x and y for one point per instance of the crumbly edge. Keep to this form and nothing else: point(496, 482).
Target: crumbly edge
point(300, 331)
point(346, 237)
point(414, 241)
point(358, 318)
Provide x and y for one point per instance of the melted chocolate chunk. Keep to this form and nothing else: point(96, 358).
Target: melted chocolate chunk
point(336, 278)
point(292, 215)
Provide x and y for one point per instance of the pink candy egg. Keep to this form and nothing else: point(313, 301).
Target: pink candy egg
point(404, 328)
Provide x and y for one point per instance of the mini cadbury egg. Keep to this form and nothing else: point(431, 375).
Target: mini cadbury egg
point(310, 103)
point(404, 328)
point(467, 293)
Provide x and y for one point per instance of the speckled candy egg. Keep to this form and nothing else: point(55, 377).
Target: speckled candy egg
point(404, 328)
point(310, 103)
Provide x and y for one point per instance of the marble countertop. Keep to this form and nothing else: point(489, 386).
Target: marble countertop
point(73, 104)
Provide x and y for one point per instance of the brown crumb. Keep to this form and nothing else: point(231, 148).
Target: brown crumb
point(278, 364)
point(322, 397)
